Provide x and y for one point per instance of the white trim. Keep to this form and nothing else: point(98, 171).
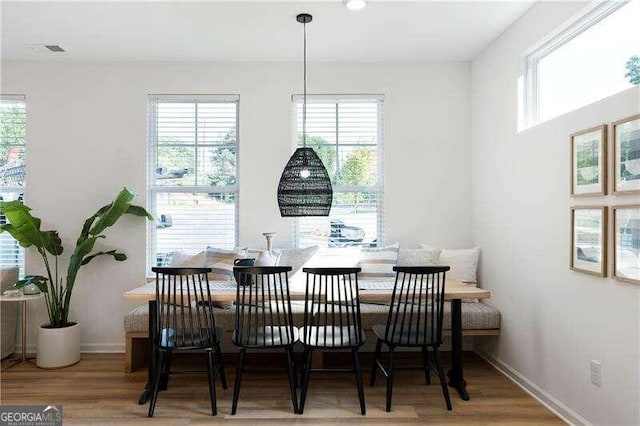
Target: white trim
point(102, 348)
point(12, 97)
point(88, 348)
point(336, 97)
point(193, 97)
point(545, 398)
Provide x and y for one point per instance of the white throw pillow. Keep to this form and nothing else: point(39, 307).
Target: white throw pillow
point(188, 260)
point(221, 261)
point(463, 263)
point(377, 262)
point(296, 258)
point(335, 257)
point(424, 256)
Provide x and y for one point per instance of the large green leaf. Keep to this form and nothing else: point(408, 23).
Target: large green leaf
point(24, 227)
point(84, 234)
point(118, 207)
point(139, 211)
point(38, 280)
point(52, 242)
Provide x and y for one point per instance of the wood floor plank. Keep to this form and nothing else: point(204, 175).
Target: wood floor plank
point(97, 392)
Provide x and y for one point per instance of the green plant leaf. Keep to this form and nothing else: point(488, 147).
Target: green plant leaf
point(84, 234)
point(118, 207)
point(120, 257)
point(24, 242)
point(38, 280)
point(24, 227)
point(52, 242)
point(139, 211)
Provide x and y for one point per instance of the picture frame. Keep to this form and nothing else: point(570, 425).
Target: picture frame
point(626, 155)
point(589, 240)
point(589, 162)
point(626, 243)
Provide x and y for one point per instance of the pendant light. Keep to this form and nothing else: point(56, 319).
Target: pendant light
point(305, 188)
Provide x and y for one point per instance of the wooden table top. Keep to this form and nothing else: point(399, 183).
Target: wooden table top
point(225, 291)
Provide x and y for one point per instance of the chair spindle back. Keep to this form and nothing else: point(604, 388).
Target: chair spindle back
point(332, 308)
point(417, 305)
point(184, 310)
point(263, 308)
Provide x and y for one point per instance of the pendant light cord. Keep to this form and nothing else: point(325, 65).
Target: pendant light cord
point(304, 98)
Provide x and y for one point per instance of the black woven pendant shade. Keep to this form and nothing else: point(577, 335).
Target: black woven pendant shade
point(305, 196)
point(305, 187)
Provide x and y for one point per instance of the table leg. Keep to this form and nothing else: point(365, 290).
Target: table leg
point(456, 376)
point(24, 330)
point(148, 389)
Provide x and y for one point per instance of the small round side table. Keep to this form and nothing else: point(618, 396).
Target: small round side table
point(23, 299)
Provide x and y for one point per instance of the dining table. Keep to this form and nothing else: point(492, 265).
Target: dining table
point(225, 291)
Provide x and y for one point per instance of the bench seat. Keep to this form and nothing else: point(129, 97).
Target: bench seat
point(478, 319)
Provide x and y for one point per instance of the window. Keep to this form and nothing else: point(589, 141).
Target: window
point(346, 132)
point(12, 166)
point(590, 58)
point(192, 174)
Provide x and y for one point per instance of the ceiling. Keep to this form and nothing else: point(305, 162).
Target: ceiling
point(206, 31)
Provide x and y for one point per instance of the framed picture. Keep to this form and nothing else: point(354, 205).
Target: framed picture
point(626, 155)
point(589, 240)
point(626, 243)
point(589, 162)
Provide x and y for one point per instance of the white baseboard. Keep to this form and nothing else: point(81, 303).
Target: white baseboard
point(96, 348)
point(546, 399)
point(99, 348)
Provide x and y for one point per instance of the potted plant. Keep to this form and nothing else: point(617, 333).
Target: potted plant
point(58, 342)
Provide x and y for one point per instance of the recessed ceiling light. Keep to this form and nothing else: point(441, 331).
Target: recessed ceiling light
point(355, 4)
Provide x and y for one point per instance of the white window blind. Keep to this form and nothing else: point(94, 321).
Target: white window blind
point(346, 132)
point(192, 174)
point(12, 167)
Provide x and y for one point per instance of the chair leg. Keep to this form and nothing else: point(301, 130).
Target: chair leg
point(292, 378)
point(390, 377)
point(443, 383)
point(358, 371)
point(426, 365)
point(374, 367)
point(308, 354)
point(236, 386)
point(156, 383)
point(166, 370)
point(223, 376)
point(211, 374)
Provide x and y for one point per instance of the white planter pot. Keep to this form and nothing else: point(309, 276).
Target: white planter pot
point(58, 347)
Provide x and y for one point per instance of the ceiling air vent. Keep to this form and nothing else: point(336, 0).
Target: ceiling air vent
point(54, 47)
point(44, 48)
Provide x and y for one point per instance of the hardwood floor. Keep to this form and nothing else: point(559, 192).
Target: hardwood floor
point(97, 391)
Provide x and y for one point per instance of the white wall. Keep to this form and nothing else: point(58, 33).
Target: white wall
point(554, 321)
point(86, 138)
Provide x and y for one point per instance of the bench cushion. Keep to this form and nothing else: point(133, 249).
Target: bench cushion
point(138, 319)
point(475, 316)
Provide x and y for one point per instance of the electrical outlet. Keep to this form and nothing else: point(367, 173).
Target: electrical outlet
point(596, 374)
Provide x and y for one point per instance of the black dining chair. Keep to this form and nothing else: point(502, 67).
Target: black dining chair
point(332, 320)
point(264, 319)
point(414, 320)
point(185, 322)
